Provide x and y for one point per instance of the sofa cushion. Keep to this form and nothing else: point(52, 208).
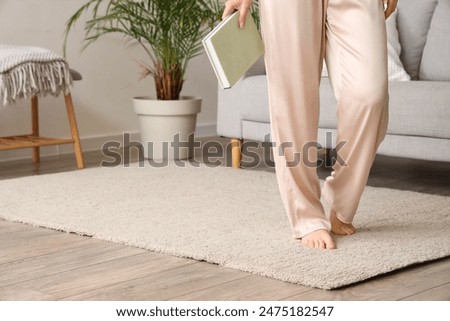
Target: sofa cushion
point(435, 63)
point(413, 23)
point(419, 108)
point(396, 71)
point(416, 108)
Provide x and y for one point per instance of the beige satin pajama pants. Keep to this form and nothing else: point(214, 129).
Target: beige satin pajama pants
point(351, 35)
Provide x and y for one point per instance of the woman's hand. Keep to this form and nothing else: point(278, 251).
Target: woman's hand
point(241, 5)
point(391, 5)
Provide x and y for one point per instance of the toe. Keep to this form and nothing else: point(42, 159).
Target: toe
point(306, 242)
point(321, 244)
point(317, 244)
point(330, 245)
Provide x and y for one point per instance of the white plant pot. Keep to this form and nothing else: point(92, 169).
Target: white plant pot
point(161, 121)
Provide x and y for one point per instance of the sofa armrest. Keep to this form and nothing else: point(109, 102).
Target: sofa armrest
point(258, 68)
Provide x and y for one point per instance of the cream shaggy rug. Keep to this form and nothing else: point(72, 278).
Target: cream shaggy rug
point(230, 217)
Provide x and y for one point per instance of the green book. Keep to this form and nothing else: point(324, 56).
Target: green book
point(233, 50)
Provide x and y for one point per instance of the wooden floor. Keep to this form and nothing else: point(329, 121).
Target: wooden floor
point(42, 264)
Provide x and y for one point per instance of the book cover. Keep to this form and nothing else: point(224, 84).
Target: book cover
point(233, 50)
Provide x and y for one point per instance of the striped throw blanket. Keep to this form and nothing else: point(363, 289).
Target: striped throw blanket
point(31, 71)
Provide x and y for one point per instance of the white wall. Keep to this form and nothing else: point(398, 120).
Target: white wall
point(103, 98)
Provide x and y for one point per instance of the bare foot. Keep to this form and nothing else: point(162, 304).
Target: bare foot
point(320, 239)
point(340, 228)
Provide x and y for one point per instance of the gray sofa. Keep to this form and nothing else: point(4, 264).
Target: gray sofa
point(419, 114)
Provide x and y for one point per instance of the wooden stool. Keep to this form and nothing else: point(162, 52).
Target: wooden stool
point(35, 141)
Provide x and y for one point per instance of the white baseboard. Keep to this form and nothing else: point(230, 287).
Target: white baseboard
point(92, 143)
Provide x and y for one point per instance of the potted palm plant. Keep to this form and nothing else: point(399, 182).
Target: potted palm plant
point(170, 33)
